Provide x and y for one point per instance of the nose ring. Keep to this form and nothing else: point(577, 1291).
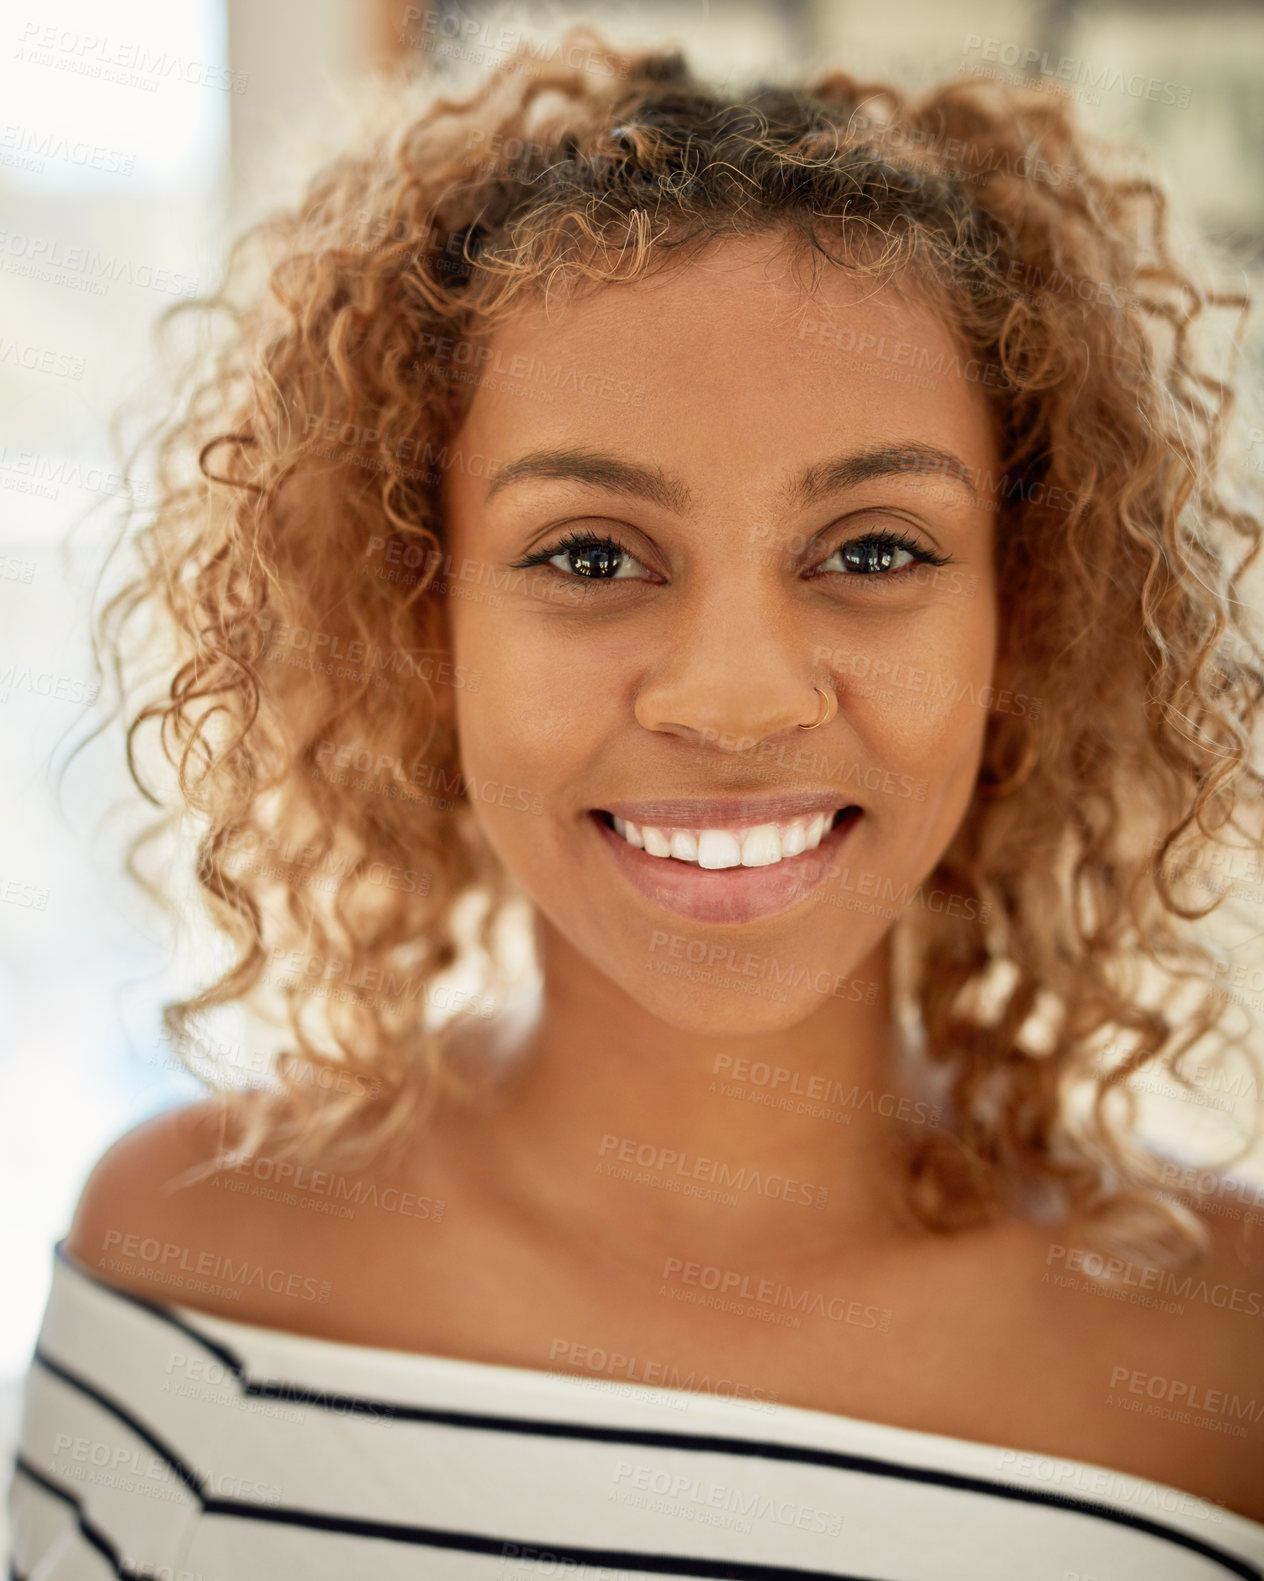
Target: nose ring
point(830, 699)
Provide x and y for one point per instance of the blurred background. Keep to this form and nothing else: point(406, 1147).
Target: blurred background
point(134, 139)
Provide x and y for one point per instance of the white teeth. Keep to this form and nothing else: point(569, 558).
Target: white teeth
point(794, 837)
point(655, 842)
point(718, 848)
point(629, 831)
point(684, 845)
point(758, 846)
point(762, 846)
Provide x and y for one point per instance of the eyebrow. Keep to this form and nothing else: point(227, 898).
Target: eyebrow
point(825, 478)
point(816, 483)
point(603, 471)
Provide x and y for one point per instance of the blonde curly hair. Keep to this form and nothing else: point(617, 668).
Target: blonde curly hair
point(307, 452)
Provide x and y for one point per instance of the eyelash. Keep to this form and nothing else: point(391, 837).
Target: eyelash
point(574, 540)
point(884, 538)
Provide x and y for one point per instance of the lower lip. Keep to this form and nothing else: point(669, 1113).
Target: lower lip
point(726, 894)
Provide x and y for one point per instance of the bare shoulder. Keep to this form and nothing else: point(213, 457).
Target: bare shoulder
point(1163, 1366)
point(1228, 1287)
point(1196, 1324)
point(139, 1185)
point(142, 1199)
point(1205, 1388)
point(172, 1212)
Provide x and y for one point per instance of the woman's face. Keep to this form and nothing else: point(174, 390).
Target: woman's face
point(757, 479)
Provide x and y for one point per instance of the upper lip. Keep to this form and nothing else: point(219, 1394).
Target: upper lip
point(721, 812)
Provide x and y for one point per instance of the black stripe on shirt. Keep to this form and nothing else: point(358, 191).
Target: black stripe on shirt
point(552, 1554)
point(88, 1530)
point(762, 1449)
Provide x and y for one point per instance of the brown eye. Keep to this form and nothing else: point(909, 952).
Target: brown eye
point(883, 553)
point(600, 560)
point(587, 555)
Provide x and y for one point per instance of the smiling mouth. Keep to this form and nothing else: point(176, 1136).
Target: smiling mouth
point(747, 846)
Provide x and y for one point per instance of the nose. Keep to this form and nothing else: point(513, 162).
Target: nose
point(733, 671)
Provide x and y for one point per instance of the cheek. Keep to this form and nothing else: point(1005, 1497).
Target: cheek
point(531, 721)
point(919, 727)
point(917, 700)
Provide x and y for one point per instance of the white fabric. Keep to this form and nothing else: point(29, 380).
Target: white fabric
point(163, 1442)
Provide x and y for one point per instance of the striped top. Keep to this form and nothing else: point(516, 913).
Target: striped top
point(160, 1441)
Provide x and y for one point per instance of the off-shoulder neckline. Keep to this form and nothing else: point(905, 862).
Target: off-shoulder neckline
point(579, 1387)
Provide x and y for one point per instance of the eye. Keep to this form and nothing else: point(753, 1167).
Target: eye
point(587, 555)
point(882, 553)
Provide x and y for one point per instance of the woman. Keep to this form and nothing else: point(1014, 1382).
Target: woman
point(772, 545)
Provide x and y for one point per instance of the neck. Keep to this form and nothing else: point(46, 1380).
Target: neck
point(787, 1141)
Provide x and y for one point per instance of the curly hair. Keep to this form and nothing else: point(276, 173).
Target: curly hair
point(295, 547)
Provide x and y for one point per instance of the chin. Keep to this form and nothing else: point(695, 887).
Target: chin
point(716, 1008)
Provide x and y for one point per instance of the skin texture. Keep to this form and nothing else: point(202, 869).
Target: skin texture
point(545, 1254)
point(695, 683)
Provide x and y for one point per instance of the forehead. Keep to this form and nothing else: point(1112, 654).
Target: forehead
point(737, 357)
